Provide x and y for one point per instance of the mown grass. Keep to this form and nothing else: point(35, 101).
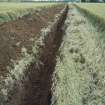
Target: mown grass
point(94, 11)
point(12, 11)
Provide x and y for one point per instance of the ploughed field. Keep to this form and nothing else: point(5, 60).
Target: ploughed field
point(52, 54)
point(12, 11)
point(26, 48)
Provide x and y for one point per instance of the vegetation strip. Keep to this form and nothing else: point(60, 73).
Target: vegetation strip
point(95, 13)
point(79, 74)
point(13, 11)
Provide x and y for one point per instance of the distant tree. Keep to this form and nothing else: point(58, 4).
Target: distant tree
point(93, 0)
point(83, 0)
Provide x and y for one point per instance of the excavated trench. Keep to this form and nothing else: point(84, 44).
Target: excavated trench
point(35, 89)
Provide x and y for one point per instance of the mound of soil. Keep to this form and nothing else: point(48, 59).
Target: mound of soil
point(20, 33)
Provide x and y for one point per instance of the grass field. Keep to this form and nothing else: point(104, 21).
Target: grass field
point(11, 11)
point(79, 74)
point(95, 11)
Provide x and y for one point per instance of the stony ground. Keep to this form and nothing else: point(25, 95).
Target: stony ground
point(79, 77)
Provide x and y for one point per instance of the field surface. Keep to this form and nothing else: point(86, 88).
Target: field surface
point(12, 11)
point(97, 9)
point(53, 55)
point(21, 42)
point(80, 69)
point(6, 7)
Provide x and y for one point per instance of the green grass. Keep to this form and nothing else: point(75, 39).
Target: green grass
point(95, 11)
point(11, 11)
point(79, 77)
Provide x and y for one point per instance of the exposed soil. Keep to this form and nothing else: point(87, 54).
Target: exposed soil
point(20, 33)
point(35, 89)
point(79, 70)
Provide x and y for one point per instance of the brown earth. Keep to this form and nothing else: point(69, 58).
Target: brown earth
point(35, 89)
point(20, 33)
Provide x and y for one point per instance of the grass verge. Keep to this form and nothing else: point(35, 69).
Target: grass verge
point(79, 77)
point(95, 12)
point(12, 11)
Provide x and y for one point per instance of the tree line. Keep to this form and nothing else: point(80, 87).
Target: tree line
point(14, 0)
point(93, 1)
